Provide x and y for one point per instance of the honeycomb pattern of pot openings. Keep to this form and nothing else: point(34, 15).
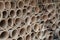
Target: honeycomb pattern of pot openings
point(29, 19)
